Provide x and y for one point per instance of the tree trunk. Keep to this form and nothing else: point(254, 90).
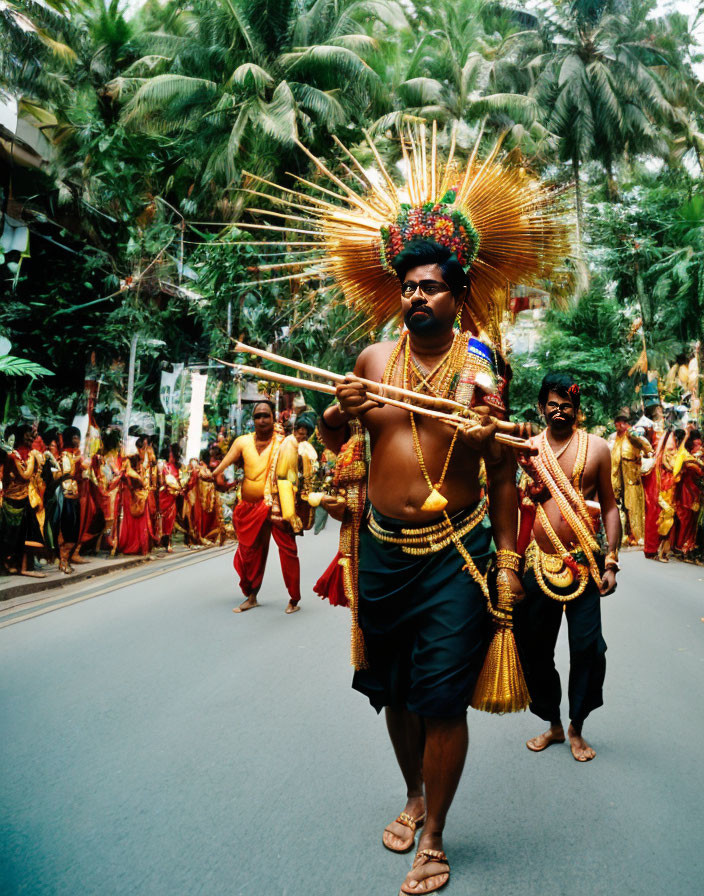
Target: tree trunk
point(130, 390)
point(578, 203)
point(611, 185)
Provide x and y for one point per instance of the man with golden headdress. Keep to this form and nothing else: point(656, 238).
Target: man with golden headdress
point(627, 452)
point(423, 573)
point(424, 548)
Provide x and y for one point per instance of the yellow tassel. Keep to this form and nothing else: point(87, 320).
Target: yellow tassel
point(434, 501)
point(501, 686)
point(358, 655)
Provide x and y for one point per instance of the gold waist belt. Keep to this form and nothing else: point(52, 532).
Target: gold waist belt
point(428, 539)
point(552, 569)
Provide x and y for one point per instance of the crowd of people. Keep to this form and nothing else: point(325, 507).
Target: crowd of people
point(658, 480)
point(59, 503)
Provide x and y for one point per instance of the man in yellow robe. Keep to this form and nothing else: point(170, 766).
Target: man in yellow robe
point(627, 452)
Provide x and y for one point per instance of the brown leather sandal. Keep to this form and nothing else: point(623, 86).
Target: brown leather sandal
point(424, 857)
point(407, 821)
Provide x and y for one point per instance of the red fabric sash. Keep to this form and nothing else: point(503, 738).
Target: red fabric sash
point(331, 585)
point(248, 518)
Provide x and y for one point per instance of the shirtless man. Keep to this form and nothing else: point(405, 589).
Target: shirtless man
point(423, 616)
point(567, 577)
point(266, 509)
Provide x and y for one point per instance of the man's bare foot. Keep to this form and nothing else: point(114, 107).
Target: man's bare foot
point(292, 608)
point(248, 604)
point(581, 750)
point(32, 574)
point(400, 837)
point(429, 872)
point(554, 735)
point(79, 560)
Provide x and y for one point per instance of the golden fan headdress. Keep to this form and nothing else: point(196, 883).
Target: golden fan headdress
point(504, 226)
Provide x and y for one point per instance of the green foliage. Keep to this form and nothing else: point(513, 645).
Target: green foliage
point(588, 342)
point(154, 117)
point(10, 366)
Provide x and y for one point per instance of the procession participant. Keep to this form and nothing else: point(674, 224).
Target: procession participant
point(650, 476)
point(107, 472)
point(67, 520)
point(206, 514)
point(303, 429)
point(627, 452)
point(21, 511)
point(92, 520)
point(423, 618)
point(308, 465)
point(134, 531)
point(189, 481)
point(665, 469)
point(689, 480)
point(266, 509)
point(565, 568)
point(169, 470)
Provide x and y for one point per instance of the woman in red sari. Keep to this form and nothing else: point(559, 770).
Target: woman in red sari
point(689, 477)
point(135, 535)
point(168, 473)
point(651, 490)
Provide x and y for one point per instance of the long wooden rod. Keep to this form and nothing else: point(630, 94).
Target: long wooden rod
point(377, 388)
point(315, 386)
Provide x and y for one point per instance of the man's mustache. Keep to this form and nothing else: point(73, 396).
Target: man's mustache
point(421, 307)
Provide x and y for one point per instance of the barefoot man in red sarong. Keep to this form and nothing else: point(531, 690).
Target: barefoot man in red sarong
point(267, 508)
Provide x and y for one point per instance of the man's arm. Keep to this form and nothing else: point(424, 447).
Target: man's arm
point(503, 505)
point(233, 456)
point(609, 512)
point(351, 402)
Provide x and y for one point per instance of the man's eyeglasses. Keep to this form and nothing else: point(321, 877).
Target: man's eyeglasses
point(428, 288)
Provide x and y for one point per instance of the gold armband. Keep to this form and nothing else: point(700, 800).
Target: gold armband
point(611, 561)
point(506, 559)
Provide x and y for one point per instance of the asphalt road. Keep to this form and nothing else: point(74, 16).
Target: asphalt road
point(154, 743)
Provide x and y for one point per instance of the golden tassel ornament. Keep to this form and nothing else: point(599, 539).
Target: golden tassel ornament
point(501, 686)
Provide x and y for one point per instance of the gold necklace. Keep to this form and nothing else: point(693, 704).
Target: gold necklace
point(435, 501)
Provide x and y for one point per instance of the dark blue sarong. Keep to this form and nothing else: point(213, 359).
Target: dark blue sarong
point(425, 622)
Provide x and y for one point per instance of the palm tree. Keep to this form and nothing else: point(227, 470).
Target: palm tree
point(233, 79)
point(462, 70)
point(599, 85)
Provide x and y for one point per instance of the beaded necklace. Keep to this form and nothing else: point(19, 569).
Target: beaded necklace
point(434, 501)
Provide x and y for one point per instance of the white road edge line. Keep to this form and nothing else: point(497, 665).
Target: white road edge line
point(42, 610)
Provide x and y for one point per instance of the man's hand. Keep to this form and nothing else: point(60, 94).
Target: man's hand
point(516, 585)
point(352, 397)
point(335, 506)
point(608, 582)
point(477, 434)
